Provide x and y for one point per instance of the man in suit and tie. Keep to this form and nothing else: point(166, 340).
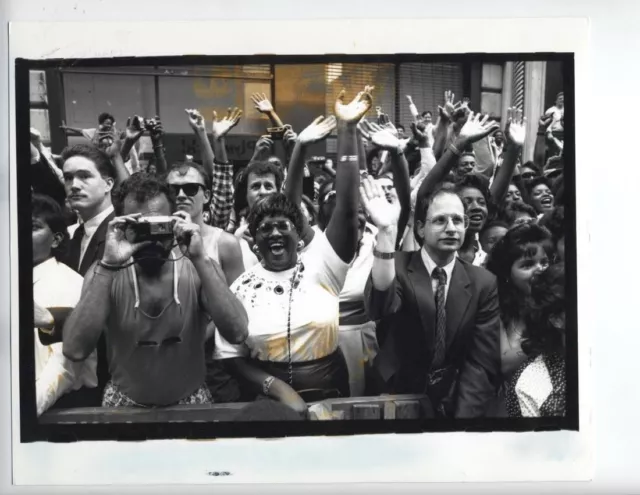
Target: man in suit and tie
point(89, 177)
point(442, 313)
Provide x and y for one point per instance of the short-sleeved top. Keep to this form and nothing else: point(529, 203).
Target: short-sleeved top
point(133, 338)
point(314, 310)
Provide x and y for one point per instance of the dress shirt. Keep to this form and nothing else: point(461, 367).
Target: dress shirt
point(431, 265)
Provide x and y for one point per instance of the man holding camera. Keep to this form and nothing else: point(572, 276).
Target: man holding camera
point(154, 301)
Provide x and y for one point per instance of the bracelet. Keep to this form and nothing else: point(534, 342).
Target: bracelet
point(47, 332)
point(454, 150)
point(383, 256)
point(113, 268)
point(349, 158)
point(267, 383)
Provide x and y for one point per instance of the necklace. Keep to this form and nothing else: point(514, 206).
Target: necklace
point(293, 283)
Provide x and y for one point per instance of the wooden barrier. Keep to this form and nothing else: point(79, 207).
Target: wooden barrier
point(388, 407)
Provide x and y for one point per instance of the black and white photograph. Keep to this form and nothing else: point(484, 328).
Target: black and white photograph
point(293, 246)
point(295, 242)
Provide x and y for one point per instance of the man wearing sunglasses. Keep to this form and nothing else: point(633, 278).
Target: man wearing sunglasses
point(442, 312)
point(191, 187)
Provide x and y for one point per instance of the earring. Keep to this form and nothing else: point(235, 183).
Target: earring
point(300, 245)
point(255, 248)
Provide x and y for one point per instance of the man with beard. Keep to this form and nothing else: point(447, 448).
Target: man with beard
point(153, 301)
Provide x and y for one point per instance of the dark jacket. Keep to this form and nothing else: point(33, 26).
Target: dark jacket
point(472, 339)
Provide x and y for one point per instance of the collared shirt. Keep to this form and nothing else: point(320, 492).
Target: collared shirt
point(431, 265)
point(57, 285)
point(221, 194)
point(90, 227)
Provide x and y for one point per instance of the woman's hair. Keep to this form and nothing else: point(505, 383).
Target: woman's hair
point(142, 187)
point(508, 212)
point(553, 221)
point(481, 183)
point(545, 304)
point(275, 205)
point(518, 242)
point(94, 154)
point(50, 212)
point(242, 182)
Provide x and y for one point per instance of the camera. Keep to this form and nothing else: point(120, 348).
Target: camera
point(276, 133)
point(152, 228)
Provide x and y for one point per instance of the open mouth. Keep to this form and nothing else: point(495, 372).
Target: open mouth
point(476, 217)
point(547, 202)
point(276, 248)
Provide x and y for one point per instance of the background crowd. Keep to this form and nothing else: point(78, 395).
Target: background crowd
point(403, 264)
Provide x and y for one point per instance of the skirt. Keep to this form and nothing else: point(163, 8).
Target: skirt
point(324, 378)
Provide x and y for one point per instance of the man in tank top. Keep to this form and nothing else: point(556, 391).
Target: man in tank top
point(155, 299)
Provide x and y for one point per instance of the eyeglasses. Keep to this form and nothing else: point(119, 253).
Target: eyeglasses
point(440, 222)
point(190, 189)
point(282, 226)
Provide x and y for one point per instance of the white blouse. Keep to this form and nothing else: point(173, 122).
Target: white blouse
point(314, 314)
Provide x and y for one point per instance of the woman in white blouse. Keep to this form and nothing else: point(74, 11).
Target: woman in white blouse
point(292, 298)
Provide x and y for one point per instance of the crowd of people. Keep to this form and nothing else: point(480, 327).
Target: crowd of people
point(408, 263)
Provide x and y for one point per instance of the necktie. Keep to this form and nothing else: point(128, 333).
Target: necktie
point(441, 317)
point(75, 248)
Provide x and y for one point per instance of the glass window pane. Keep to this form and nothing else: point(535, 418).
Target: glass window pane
point(37, 86)
point(39, 119)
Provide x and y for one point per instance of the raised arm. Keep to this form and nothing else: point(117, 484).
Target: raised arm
point(154, 126)
point(71, 131)
point(132, 133)
point(473, 130)
point(264, 106)
point(196, 122)
point(342, 231)
point(115, 154)
point(514, 133)
point(222, 171)
point(385, 138)
point(85, 324)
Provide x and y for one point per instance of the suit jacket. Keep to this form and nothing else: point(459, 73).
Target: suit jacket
point(472, 338)
point(94, 250)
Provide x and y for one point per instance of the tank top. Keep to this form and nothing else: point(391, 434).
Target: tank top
point(157, 360)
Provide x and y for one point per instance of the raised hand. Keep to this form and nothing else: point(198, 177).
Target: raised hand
point(514, 131)
point(352, 113)
point(263, 147)
point(188, 235)
point(476, 128)
point(134, 129)
point(380, 136)
point(115, 147)
point(222, 127)
point(263, 105)
point(117, 248)
point(425, 139)
point(409, 99)
point(154, 126)
point(318, 130)
point(384, 213)
point(196, 120)
point(448, 107)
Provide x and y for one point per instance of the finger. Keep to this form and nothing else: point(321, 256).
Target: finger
point(452, 97)
point(264, 97)
point(215, 115)
point(524, 122)
point(318, 120)
point(341, 96)
point(367, 188)
point(128, 121)
point(484, 119)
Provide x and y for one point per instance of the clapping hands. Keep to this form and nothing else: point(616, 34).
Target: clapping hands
point(222, 127)
point(318, 130)
point(351, 113)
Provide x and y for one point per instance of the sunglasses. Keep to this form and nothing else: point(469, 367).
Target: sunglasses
point(190, 189)
point(282, 226)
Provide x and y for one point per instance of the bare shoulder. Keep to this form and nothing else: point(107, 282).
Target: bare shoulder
point(228, 242)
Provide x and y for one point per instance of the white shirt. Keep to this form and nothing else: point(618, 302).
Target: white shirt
point(90, 227)
point(431, 265)
point(57, 285)
point(314, 312)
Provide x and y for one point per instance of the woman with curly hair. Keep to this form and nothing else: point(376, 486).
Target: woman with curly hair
point(538, 386)
point(521, 254)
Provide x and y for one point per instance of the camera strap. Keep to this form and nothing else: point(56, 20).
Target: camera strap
point(175, 282)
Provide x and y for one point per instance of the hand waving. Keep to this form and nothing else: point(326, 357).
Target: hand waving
point(515, 128)
point(134, 129)
point(222, 127)
point(354, 111)
point(263, 105)
point(476, 128)
point(384, 213)
point(318, 130)
point(196, 120)
point(380, 136)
